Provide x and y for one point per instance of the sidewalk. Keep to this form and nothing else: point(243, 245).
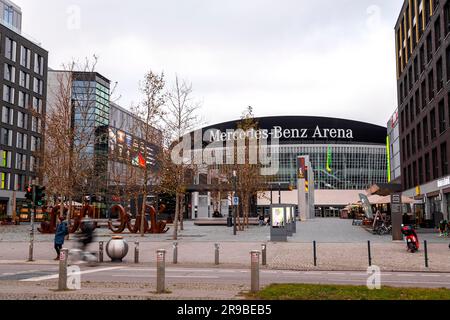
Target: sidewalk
point(14, 290)
point(284, 256)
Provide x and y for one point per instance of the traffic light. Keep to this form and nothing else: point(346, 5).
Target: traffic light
point(40, 196)
point(29, 193)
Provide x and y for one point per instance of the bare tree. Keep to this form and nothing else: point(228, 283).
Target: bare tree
point(149, 111)
point(181, 118)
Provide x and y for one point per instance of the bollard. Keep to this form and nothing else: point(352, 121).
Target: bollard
point(175, 252)
point(254, 271)
point(136, 252)
point(264, 254)
point(161, 271)
point(216, 256)
point(63, 256)
point(425, 247)
point(315, 253)
point(369, 253)
point(100, 251)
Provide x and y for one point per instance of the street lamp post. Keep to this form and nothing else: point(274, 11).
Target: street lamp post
point(279, 193)
point(235, 206)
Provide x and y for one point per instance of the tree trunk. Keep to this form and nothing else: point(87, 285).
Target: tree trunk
point(144, 197)
point(175, 220)
point(182, 206)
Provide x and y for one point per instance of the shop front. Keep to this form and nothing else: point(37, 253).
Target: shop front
point(3, 207)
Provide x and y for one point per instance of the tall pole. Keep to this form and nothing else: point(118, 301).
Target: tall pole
point(279, 193)
point(32, 213)
point(235, 206)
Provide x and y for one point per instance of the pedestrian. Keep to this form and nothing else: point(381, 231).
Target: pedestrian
point(61, 232)
point(261, 220)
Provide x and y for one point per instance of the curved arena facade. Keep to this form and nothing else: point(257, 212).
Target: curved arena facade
point(347, 157)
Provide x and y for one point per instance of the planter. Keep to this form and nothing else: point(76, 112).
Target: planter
point(116, 249)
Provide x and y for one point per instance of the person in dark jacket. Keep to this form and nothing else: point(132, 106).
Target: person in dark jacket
point(61, 232)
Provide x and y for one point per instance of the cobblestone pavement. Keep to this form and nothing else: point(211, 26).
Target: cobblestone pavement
point(15, 290)
point(340, 246)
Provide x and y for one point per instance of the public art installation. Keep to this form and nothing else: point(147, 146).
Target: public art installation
point(156, 227)
point(49, 227)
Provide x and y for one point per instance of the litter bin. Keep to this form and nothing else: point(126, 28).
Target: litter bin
point(229, 222)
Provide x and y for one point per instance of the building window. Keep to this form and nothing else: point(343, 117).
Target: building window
point(442, 118)
point(411, 109)
point(413, 141)
point(425, 131)
point(38, 64)
point(10, 73)
point(407, 116)
point(429, 48)
point(10, 49)
point(35, 144)
point(25, 57)
point(437, 33)
point(440, 75)
point(419, 136)
point(447, 18)
point(7, 115)
point(24, 79)
point(4, 180)
point(24, 99)
point(21, 162)
point(37, 105)
point(416, 69)
point(8, 94)
point(424, 94)
point(434, 157)
point(33, 164)
point(422, 59)
point(433, 124)
point(408, 146)
point(21, 140)
point(417, 102)
point(6, 137)
point(430, 85)
point(427, 168)
point(5, 159)
point(420, 171)
point(38, 86)
point(414, 173)
point(444, 159)
point(22, 120)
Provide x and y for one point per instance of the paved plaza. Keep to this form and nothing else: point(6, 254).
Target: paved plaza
point(340, 246)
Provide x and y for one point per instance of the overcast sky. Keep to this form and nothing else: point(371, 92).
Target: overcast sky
point(283, 57)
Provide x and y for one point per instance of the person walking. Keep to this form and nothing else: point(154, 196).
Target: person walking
point(61, 232)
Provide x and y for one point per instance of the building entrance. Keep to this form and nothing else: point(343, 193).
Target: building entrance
point(3, 208)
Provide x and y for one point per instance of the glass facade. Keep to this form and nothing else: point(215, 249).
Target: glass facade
point(336, 167)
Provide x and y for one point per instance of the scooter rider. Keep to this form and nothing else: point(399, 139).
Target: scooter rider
point(87, 233)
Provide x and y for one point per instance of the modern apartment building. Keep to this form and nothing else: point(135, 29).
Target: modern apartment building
point(23, 85)
point(423, 74)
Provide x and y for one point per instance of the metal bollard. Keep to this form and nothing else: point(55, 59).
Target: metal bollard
point(254, 271)
point(136, 252)
point(100, 251)
point(264, 254)
point(63, 256)
point(216, 256)
point(161, 271)
point(315, 253)
point(369, 253)
point(175, 252)
point(425, 247)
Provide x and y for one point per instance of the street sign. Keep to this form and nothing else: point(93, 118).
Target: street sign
point(235, 201)
point(396, 199)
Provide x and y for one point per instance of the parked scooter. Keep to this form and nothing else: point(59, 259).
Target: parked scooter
point(411, 238)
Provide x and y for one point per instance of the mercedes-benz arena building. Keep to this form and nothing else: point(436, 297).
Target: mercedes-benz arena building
point(347, 158)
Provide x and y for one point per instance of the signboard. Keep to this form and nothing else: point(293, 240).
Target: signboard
point(443, 182)
point(160, 257)
point(255, 257)
point(278, 217)
point(62, 256)
point(396, 199)
point(235, 201)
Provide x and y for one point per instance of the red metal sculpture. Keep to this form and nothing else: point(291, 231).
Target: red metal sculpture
point(156, 227)
point(49, 227)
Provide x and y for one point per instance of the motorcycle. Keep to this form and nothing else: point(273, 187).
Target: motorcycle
point(411, 238)
point(384, 229)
